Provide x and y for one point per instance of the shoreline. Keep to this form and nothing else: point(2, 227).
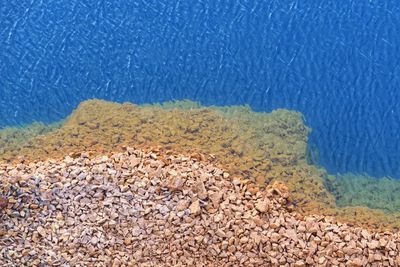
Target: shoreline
point(260, 147)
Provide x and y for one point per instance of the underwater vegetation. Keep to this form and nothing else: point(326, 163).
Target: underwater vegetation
point(262, 147)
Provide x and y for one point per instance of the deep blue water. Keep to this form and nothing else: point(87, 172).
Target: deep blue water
point(336, 61)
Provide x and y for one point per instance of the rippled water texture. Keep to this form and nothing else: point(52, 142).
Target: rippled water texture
point(334, 61)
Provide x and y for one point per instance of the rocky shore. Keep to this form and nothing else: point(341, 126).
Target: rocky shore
point(261, 147)
point(146, 208)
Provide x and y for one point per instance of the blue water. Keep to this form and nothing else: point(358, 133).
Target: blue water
point(335, 61)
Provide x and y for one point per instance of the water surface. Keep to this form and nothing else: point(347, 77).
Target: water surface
point(335, 61)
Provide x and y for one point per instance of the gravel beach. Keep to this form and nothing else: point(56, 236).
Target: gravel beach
point(143, 208)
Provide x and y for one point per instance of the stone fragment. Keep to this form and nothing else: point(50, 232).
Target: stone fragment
point(215, 198)
point(175, 183)
point(3, 203)
point(70, 221)
point(134, 161)
point(373, 244)
point(365, 234)
point(194, 208)
point(41, 231)
point(291, 233)
point(299, 263)
point(220, 233)
point(262, 205)
point(200, 190)
point(218, 217)
point(182, 205)
point(127, 241)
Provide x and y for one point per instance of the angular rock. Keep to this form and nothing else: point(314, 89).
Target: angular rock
point(175, 183)
point(200, 190)
point(195, 208)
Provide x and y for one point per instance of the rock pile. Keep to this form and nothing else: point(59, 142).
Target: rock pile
point(141, 208)
point(262, 147)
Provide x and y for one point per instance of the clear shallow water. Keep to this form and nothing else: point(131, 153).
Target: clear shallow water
point(335, 61)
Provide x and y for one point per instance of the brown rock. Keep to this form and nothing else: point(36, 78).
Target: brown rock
point(309, 260)
point(383, 242)
point(355, 262)
point(365, 234)
point(291, 233)
point(218, 217)
point(262, 205)
point(278, 188)
point(3, 203)
point(41, 231)
point(127, 241)
point(220, 233)
point(134, 161)
point(182, 205)
point(215, 198)
point(275, 237)
point(175, 183)
point(377, 257)
point(200, 190)
point(121, 208)
point(373, 244)
point(194, 208)
point(94, 241)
